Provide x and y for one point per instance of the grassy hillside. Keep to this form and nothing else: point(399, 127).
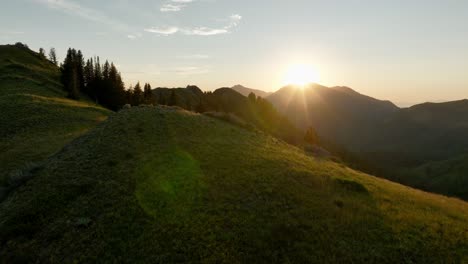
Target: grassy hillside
point(383, 139)
point(182, 187)
point(36, 119)
point(424, 146)
point(254, 112)
point(430, 130)
point(446, 176)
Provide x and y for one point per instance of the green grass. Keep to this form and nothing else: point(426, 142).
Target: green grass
point(447, 176)
point(36, 119)
point(159, 185)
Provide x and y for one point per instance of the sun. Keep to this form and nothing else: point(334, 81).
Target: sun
point(301, 74)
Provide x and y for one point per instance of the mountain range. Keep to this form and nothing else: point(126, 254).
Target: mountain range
point(387, 140)
point(246, 91)
point(370, 134)
point(162, 184)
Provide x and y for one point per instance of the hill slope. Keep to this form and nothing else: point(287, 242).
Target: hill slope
point(184, 187)
point(246, 91)
point(421, 146)
point(337, 113)
point(254, 112)
point(36, 119)
point(443, 176)
point(389, 141)
point(437, 130)
point(188, 98)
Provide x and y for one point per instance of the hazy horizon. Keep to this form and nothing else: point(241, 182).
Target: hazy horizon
point(408, 53)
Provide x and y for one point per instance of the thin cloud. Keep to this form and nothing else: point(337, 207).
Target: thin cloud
point(191, 70)
point(75, 9)
point(204, 31)
point(233, 21)
point(171, 8)
point(162, 30)
point(134, 36)
point(175, 5)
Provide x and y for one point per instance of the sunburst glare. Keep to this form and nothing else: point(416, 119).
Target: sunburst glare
point(301, 74)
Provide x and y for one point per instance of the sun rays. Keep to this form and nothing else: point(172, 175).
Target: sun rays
point(301, 74)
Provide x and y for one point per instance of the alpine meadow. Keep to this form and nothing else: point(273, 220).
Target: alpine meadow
point(214, 131)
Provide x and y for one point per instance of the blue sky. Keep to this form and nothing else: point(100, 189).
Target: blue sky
point(405, 51)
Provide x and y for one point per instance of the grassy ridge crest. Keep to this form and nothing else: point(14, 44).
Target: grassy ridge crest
point(185, 187)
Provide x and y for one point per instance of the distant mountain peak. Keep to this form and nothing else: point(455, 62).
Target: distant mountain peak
point(246, 91)
point(344, 89)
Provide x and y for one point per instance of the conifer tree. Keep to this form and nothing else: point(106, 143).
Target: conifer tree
point(137, 94)
point(69, 76)
point(117, 89)
point(106, 70)
point(97, 69)
point(79, 67)
point(101, 83)
point(88, 74)
point(148, 94)
point(42, 53)
point(53, 56)
point(129, 95)
point(97, 82)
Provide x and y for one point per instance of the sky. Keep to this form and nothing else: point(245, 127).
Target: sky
point(405, 51)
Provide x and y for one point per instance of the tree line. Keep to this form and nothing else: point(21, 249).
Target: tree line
point(101, 82)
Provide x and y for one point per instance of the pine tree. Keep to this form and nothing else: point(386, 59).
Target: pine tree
point(88, 74)
point(53, 56)
point(42, 53)
point(137, 94)
point(116, 92)
point(129, 95)
point(97, 69)
point(72, 73)
point(148, 94)
point(106, 70)
point(79, 66)
point(69, 76)
point(97, 82)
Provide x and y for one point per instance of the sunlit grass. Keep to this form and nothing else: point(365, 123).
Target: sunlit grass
point(36, 119)
point(184, 187)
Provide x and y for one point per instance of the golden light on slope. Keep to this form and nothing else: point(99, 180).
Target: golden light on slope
point(301, 74)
